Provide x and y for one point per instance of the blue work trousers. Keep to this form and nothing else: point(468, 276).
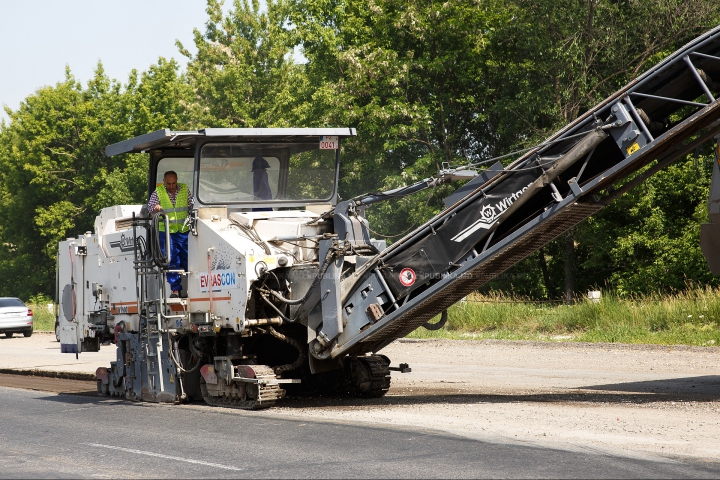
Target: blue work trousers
point(178, 257)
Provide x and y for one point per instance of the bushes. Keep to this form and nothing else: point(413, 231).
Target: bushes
point(691, 318)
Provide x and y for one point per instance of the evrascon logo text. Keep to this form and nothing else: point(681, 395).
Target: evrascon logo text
point(488, 215)
point(125, 244)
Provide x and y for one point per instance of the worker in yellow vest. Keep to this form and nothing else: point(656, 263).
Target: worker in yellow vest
point(175, 200)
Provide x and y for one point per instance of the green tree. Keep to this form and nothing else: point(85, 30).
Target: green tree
point(409, 76)
point(52, 156)
point(423, 82)
point(54, 174)
point(555, 60)
point(243, 74)
point(648, 240)
point(152, 100)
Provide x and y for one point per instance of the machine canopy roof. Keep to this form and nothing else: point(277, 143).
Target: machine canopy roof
point(162, 139)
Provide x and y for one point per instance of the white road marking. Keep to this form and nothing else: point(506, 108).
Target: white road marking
point(160, 455)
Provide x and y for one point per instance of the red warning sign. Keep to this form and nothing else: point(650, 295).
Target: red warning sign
point(407, 277)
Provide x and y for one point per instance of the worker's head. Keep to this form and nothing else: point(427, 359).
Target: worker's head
point(170, 181)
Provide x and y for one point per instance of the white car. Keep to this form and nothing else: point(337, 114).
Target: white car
point(15, 317)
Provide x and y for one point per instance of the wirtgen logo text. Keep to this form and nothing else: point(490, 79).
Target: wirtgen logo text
point(488, 215)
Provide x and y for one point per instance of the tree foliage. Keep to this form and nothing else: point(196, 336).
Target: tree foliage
point(52, 163)
point(552, 62)
point(54, 174)
point(424, 83)
point(410, 77)
point(243, 74)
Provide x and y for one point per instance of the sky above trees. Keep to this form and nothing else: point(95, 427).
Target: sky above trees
point(41, 37)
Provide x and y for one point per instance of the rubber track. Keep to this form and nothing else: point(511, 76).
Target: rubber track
point(267, 394)
point(379, 382)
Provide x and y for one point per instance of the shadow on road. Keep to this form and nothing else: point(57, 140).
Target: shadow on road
point(703, 386)
point(688, 389)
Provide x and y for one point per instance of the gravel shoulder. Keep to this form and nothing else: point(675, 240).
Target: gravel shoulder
point(643, 401)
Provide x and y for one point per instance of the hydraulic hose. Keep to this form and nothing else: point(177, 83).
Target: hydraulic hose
point(155, 249)
point(277, 310)
point(301, 355)
point(174, 347)
point(365, 249)
point(439, 324)
point(252, 234)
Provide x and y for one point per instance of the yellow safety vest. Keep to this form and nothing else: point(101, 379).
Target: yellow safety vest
point(176, 213)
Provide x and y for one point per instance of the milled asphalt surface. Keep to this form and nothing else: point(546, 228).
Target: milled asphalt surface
point(67, 436)
point(53, 435)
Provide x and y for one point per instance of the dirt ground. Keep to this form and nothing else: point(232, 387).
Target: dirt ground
point(632, 400)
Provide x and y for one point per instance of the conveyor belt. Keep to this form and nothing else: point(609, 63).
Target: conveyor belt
point(433, 304)
point(534, 234)
point(685, 85)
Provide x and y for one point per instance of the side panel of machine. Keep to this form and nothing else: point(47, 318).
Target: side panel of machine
point(96, 282)
point(68, 296)
point(710, 232)
point(217, 273)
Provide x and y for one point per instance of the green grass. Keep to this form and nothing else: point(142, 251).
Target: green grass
point(689, 318)
point(43, 320)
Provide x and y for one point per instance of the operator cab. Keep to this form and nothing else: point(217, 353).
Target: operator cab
point(246, 168)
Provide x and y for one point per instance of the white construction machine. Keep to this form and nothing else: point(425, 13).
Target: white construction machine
point(289, 287)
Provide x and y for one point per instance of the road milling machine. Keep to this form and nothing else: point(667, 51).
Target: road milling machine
point(285, 283)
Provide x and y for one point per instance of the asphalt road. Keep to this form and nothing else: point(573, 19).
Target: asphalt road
point(47, 435)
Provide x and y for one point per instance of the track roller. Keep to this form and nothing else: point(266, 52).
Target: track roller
point(369, 376)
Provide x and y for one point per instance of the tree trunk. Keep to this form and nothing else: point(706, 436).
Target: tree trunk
point(549, 287)
point(569, 268)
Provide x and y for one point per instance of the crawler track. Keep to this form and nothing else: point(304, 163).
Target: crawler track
point(370, 376)
point(265, 396)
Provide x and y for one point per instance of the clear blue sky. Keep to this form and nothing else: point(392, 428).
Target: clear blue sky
point(39, 37)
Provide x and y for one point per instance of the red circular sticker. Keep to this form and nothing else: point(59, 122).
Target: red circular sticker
point(407, 277)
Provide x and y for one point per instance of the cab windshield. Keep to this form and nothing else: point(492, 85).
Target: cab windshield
point(237, 173)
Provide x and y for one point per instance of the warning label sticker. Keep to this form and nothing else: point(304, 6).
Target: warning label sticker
point(633, 148)
point(407, 277)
